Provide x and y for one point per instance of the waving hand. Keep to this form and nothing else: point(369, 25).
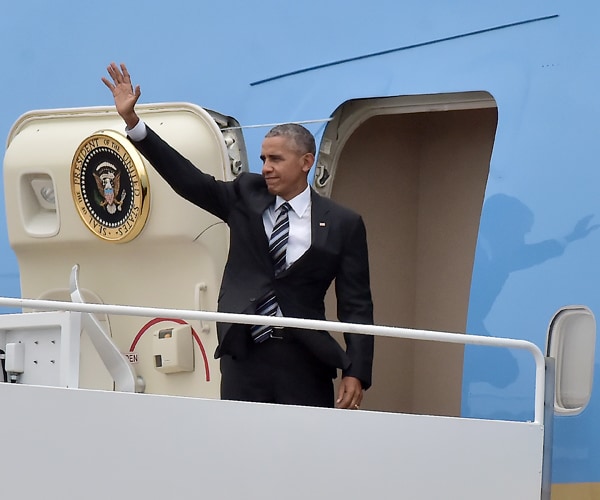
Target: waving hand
point(124, 94)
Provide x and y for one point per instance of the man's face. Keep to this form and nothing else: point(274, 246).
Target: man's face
point(285, 170)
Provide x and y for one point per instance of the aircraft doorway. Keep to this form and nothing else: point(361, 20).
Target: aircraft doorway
point(416, 168)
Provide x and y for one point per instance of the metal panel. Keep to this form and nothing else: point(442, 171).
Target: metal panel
point(95, 445)
point(51, 346)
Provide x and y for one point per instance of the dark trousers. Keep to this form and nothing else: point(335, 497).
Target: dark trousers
point(278, 370)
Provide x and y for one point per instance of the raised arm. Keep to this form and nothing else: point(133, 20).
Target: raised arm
point(123, 92)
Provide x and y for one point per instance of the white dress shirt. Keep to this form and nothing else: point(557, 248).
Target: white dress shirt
point(300, 235)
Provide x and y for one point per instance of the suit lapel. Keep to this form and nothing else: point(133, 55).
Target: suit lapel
point(255, 217)
point(319, 221)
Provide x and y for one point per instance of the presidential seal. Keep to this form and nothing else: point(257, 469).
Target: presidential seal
point(110, 186)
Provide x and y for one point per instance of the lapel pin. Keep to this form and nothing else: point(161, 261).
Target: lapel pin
point(322, 224)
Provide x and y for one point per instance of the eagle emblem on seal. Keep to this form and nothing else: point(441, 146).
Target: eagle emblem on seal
point(110, 186)
point(108, 182)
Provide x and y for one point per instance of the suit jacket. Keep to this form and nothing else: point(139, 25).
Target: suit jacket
point(338, 252)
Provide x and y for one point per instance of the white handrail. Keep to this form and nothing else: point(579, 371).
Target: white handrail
point(309, 324)
point(117, 365)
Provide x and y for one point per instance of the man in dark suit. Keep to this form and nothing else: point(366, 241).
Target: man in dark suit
point(324, 242)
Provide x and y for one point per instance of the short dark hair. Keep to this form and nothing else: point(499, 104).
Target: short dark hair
point(302, 138)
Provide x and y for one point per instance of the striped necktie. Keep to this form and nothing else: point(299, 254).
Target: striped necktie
point(277, 249)
point(279, 239)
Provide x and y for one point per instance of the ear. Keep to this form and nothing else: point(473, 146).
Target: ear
point(308, 159)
